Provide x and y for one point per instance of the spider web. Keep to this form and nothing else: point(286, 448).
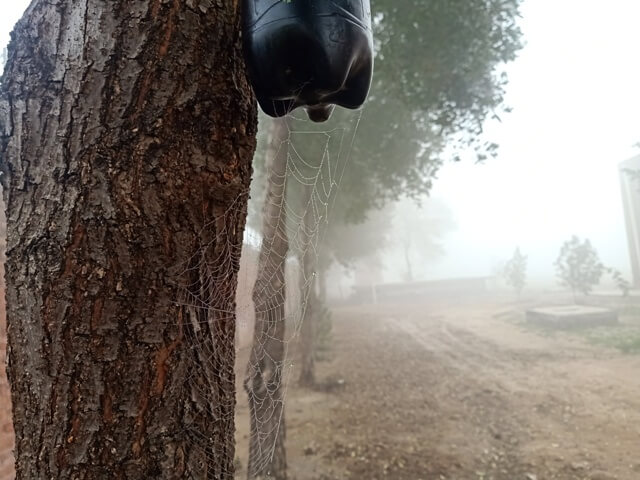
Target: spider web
point(315, 157)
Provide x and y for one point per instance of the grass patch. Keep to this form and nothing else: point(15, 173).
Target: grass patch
point(518, 319)
point(623, 338)
point(631, 310)
point(510, 316)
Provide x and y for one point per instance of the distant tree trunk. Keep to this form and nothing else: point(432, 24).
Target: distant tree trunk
point(127, 131)
point(407, 259)
point(322, 285)
point(307, 338)
point(309, 298)
point(263, 381)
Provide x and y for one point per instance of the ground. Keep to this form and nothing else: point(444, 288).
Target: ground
point(437, 391)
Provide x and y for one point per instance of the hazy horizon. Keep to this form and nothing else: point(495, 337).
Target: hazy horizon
point(573, 91)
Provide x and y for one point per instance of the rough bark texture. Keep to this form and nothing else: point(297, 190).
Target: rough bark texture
point(264, 382)
point(307, 331)
point(126, 133)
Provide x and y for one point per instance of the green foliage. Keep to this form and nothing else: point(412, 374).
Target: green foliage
point(435, 83)
point(437, 80)
point(578, 266)
point(515, 271)
point(622, 283)
point(440, 59)
point(625, 338)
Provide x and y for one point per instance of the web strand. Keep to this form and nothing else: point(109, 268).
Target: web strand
point(316, 158)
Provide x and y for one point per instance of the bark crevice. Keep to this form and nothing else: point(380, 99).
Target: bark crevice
point(126, 140)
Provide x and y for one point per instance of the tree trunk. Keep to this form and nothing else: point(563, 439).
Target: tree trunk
point(263, 381)
point(322, 285)
point(407, 259)
point(126, 134)
point(308, 286)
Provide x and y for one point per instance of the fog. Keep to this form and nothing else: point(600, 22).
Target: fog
point(573, 91)
point(576, 115)
point(412, 324)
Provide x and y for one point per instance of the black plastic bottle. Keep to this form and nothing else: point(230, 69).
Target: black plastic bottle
point(311, 53)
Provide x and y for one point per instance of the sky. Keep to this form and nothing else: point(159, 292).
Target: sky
point(575, 96)
point(576, 114)
point(10, 12)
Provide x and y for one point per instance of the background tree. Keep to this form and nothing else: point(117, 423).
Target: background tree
point(126, 137)
point(346, 243)
point(515, 271)
point(263, 379)
point(621, 283)
point(578, 266)
point(417, 231)
point(404, 232)
point(437, 80)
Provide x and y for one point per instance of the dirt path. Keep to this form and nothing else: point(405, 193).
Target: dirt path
point(436, 392)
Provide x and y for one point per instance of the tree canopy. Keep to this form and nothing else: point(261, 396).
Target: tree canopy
point(515, 271)
point(437, 79)
point(578, 265)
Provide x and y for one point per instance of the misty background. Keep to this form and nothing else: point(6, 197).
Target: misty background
point(388, 377)
point(575, 115)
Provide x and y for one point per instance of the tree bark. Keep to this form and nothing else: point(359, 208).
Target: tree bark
point(407, 259)
point(309, 307)
point(264, 379)
point(322, 284)
point(126, 134)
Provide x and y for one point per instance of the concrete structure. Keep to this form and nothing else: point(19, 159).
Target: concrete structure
point(454, 289)
point(570, 316)
point(630, 184)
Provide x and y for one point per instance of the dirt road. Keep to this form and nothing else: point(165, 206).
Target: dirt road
point(461, 393)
